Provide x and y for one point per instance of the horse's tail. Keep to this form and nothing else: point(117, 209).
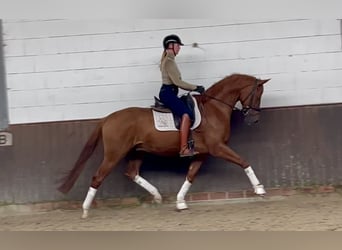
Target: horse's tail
point(88, 149)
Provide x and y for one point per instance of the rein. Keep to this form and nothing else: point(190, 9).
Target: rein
point(244, 110)
point(216, 99)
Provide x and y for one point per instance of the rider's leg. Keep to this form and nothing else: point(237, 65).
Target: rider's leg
point(183, 137)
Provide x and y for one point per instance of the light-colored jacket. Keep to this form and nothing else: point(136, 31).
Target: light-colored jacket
point(171, 74)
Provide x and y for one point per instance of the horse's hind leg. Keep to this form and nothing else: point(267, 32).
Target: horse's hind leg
point(105, 168)
point(133, 173)
point(258, 187)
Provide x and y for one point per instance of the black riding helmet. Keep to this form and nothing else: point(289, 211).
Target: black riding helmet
point(171, 39)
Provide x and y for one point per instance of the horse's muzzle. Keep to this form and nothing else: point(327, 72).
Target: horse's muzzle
point(251, 117)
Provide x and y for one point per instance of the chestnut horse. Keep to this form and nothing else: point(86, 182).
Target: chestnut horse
point(131, 132)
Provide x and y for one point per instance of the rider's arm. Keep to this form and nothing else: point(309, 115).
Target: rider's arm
point(175, 76)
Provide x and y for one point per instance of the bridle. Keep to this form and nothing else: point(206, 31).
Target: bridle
point(245, 110)
point(251, 95)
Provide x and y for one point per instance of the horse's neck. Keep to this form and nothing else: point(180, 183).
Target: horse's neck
point(228, 89)
point(219, 110)
point(221, 100)
point(224, 99)
point(217, 114)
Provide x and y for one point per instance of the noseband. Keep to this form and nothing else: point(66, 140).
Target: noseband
point(245, 110)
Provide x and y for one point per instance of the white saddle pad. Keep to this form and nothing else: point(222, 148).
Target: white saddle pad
point(165, 121)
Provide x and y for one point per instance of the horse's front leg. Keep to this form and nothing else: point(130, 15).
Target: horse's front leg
point(223, 151)
point(193, 169)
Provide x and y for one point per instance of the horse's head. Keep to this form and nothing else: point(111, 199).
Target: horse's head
point(250, 98)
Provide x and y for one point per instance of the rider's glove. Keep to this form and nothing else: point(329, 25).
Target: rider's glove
point(200, 89)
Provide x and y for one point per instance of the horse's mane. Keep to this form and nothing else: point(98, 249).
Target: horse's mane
point(230, 79)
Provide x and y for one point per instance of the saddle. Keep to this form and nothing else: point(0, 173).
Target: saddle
point(186, 99)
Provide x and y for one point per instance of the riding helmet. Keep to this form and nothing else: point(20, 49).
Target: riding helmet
point(171, 39)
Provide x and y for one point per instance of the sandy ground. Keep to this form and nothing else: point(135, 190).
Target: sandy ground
point(300, 212)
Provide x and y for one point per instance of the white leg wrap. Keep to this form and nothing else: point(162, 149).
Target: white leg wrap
point(149, 187)
point(181, 195)
point(89, 199)
point(258, 188)
point(87, 202)
point(253, 179)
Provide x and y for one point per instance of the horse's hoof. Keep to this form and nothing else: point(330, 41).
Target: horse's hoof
point(85, 214)
point(259, 190)
point(158, 199)
point(181, 206)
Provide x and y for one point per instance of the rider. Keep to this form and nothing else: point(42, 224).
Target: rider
point(172, 80)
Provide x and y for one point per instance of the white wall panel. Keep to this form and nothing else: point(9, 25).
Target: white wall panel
point(86, 77)
point(80, 69)
point(60, 28)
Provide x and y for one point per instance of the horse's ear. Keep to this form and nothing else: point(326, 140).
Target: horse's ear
point(264, 81)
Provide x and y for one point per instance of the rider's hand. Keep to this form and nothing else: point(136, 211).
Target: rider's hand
point(200, 89)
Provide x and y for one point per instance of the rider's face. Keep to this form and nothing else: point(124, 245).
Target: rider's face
point(176, 48)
